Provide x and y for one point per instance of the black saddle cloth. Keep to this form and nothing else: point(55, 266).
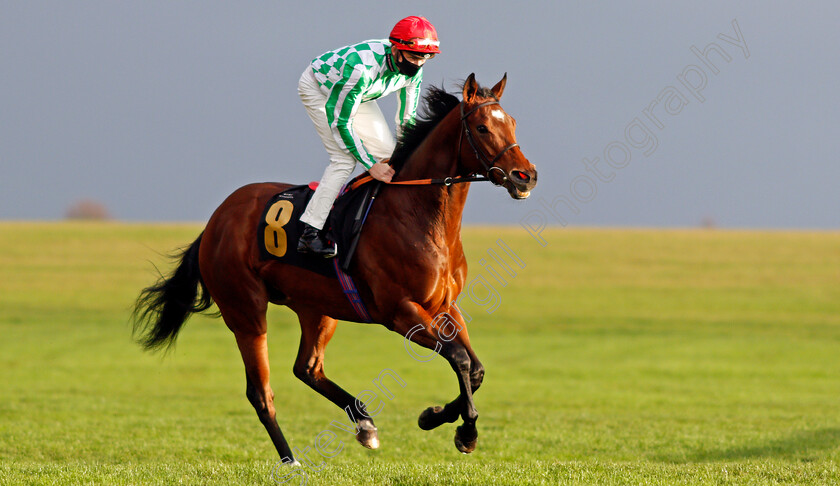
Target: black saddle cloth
point(280, 227)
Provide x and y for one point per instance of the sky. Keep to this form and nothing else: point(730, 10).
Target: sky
point(645, 113)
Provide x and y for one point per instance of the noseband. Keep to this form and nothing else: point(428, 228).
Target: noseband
point(489, 165)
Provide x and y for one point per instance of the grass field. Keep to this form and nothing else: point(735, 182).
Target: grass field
point(613, 357)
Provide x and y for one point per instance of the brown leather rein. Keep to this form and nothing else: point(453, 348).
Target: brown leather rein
point(489, 165)
point(446, 181)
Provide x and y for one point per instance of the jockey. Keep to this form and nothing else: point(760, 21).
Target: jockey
point(339, 90)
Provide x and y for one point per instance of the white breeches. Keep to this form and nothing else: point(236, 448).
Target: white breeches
point(369, 124)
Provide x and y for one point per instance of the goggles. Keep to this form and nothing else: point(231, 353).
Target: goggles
point(418, 44)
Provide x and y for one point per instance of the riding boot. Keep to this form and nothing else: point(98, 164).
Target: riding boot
point(313, 243)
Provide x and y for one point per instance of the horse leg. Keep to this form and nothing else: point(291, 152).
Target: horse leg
point(316, 332)
point(434, 417)
point(254, 350)
point(243, 306)
point(466, 435)
point(468, 369)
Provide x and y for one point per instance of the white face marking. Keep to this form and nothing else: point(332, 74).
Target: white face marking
point(498, 114)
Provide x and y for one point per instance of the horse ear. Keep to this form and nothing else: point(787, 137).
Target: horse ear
point(470, 88)
point(500, 87)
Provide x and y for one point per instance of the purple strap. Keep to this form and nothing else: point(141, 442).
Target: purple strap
point(351, 292)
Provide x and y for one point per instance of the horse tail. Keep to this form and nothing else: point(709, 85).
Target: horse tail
point(163, 308)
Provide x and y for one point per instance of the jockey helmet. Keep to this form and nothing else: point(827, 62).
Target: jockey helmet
point(415, 34)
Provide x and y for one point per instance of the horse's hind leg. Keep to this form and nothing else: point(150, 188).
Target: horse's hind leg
point(316, 332)
point(254, 352)
point(227, 270)
point(245, 316)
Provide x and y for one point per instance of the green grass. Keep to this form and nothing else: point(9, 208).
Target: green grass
point(613, 357)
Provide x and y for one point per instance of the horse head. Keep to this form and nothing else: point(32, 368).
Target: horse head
point(491, 133)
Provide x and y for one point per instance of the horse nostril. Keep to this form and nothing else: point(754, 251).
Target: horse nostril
point(520, 176)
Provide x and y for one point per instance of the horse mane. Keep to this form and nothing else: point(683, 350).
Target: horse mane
point(437, 103)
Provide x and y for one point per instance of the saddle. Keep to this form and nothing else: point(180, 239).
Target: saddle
point(280, 226)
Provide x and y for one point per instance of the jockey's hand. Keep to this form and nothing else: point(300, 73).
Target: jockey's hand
point(381, 171)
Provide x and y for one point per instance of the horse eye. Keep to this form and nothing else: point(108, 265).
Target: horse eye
point(481, 129)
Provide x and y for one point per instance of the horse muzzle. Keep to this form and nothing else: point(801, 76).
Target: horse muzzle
point(520, 183)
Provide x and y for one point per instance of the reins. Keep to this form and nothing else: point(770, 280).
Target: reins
point(446, 181)
point(489, 165)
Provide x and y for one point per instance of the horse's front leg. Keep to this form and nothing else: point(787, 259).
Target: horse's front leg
point(466, 435)
point(433, 417)
point(452, 343)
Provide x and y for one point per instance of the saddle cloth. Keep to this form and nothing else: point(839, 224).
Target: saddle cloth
point(280, 227)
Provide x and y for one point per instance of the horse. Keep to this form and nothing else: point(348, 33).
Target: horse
point(409, 265)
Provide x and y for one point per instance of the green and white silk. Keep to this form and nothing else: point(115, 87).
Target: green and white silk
point(358, 73)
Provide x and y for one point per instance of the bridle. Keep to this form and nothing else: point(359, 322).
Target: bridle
point(489, 165)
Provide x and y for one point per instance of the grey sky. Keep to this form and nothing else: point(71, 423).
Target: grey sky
point(160, 109)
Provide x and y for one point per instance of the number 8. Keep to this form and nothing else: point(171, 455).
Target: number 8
point(275, 236)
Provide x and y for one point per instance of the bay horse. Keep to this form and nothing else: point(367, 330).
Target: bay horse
point(409, 265)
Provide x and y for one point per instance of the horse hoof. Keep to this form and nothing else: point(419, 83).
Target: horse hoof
point(466, 440)
point(430, 418)
point(278, 473)
point(368, 438)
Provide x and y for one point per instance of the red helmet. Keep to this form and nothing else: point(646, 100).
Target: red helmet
point(415, 34)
